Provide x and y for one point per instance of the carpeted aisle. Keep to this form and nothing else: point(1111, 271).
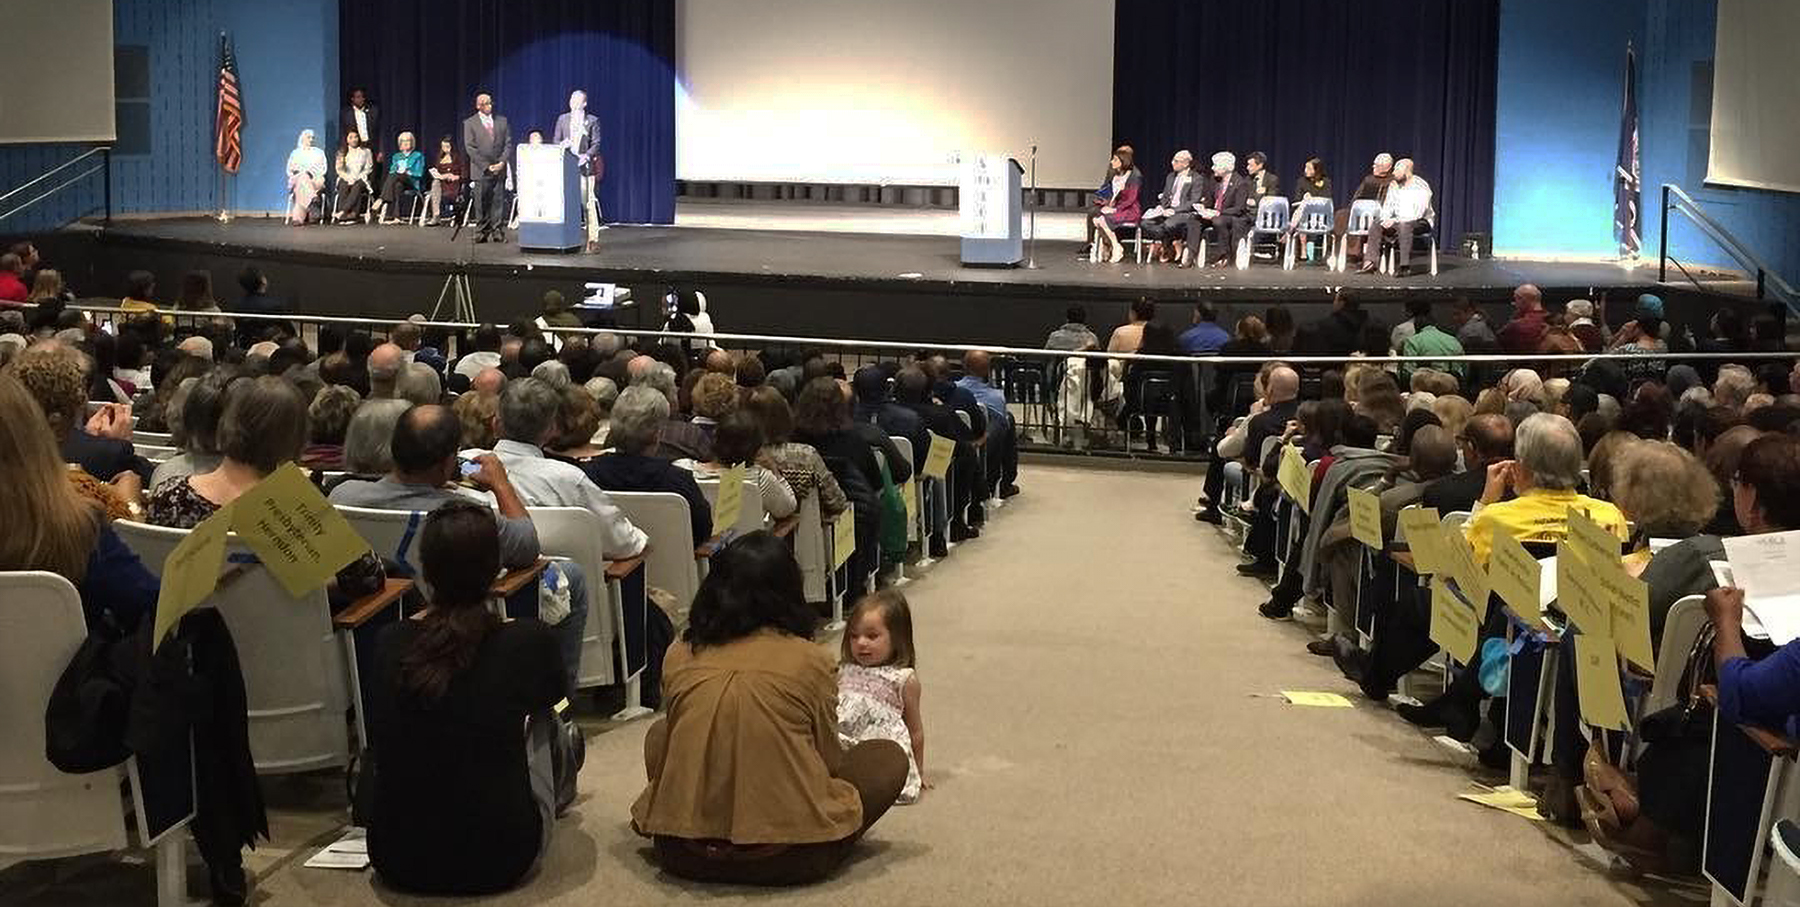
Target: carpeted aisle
point(1101, 728)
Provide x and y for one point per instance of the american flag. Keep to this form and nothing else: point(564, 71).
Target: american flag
point(1628, 172)
point(228, 145)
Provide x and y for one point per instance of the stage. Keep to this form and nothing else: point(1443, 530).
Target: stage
point(781, 269)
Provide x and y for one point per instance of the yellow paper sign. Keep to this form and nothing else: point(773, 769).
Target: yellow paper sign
point(1453, 624)
point(1514, 574)
point(1365, 518)
point(909, 495)
point(843, 538)
point(1505, 799)
point(1597, 682)
point(294, 531)
point(730, 504)
point(191, 572)
point(1317, 700)
point(1423, 534)
point(1627, 603)
point(1594, 544)
point(1459, 564)
point(937, 460)
point(1294, 477)
point(1578, 593)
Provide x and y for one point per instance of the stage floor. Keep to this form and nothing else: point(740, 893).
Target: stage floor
point(740, 247)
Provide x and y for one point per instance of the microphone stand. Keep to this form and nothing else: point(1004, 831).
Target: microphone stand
point(1031, 244)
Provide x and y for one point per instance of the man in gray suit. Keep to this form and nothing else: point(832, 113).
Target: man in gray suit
point(487, 142)
point(1174, 217)
point(579, 131)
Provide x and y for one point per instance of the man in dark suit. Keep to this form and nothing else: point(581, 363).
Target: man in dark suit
point(361, 117)
point(487, 143)
point(1176, 215)
point(1227, 209)
point(1486, 439)
point(1263, 183)
point(579, 131)
point(256, 299)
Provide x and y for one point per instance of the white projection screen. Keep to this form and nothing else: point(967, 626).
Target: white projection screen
point(59, 61)
point(1756, 95)
point(886, 91)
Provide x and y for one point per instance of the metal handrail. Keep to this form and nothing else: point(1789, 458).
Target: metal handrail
point(842, 343)
point(105, 166)
point(1687, 207)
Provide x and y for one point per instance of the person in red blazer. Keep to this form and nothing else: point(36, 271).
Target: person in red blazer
point(1118, 205)
point(12, 280)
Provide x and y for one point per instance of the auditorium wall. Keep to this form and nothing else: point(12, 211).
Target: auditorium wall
point(1560, 90)
point(287, 64)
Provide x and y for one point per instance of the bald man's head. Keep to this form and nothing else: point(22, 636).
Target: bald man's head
point(639, 366)
point(1284, 384)
point(1490, 435)
point(978, 363)
point(721, 362)
point(488, 381)
point(384, 367)
point(1528, 298)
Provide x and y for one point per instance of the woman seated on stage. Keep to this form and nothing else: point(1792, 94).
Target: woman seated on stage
point(1314, 182)
point(306, 177)
point(1119, 207)
point(355, 167)
point(447, 172)
point(406, 168)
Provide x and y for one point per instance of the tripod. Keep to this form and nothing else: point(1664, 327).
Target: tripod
point(461, 297)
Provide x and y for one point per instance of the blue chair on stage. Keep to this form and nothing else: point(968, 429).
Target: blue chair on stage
point(1270, 228)
point(1313, 221)
point(1361, 220)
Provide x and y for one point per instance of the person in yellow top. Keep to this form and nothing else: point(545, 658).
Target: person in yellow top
point(1542, 477)
point(140, 292)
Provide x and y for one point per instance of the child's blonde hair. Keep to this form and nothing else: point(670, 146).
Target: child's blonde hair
point(898, 617)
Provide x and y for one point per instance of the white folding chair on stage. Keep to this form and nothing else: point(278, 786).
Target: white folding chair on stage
point(1429, 236)
point(1314, 221)
point(1361, 219)
point(1272, 221)
point(299, 671)
point(45, 813)
point(574, 534)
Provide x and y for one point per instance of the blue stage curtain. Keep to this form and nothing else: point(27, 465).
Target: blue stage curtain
point(1297, 79)
point(423, 61)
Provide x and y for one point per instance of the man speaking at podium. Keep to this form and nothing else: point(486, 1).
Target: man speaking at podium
point(487, 143)
point(579, 131)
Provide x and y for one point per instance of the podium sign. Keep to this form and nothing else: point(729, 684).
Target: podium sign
point(989, 198)
point(549, 192)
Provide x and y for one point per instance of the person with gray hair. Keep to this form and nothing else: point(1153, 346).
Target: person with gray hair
point(418, 384)
point(1175, 217)
point(1542, 480)
point(554, 373)
point(194, 412)
point(1225, 207)
point(368, 440)
point(638, 419)
point(679, 439)
point(527, 419)
point(606, 393)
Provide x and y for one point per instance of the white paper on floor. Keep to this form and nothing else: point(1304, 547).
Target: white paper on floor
point(348, 852)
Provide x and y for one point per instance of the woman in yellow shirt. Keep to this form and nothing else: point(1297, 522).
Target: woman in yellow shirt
point(1542, 478)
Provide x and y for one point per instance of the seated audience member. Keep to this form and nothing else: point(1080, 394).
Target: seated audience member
point(605, 393)
point(738, 441)
point(1338, 332)
point(418, 384)
point(747, 782)
point(257, 300)
point(140, 292)
point(527, 420)
point(12, 281)
point(263, 426)
point(799, 464)
point(637, 422)
point(1472, 328)
point(198, 405)
point(678, 438)
point(1127, 337)
point(476, 413)
point(368, 442)
point(1279, 405)
point(576, 423)
point(384, 364)
point(1525, 332)
point(1426, 339)
point(99, 444)
point(329, 415)
point(913, 390)
point(1074, 335)
point(1002, 432)
point(1353, 463)
point(822, 421)
point(1542, 481)
point(874, 404)
point(1205, 336)
point(69, 532)
point(463, 726)
point(715, 396)
point(486, 354)
point(1579, 316)
point(1405, 212)
point(1485, 439)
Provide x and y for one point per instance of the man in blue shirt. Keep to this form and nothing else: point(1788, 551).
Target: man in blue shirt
point(1002, 435)
point(1205, 336)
